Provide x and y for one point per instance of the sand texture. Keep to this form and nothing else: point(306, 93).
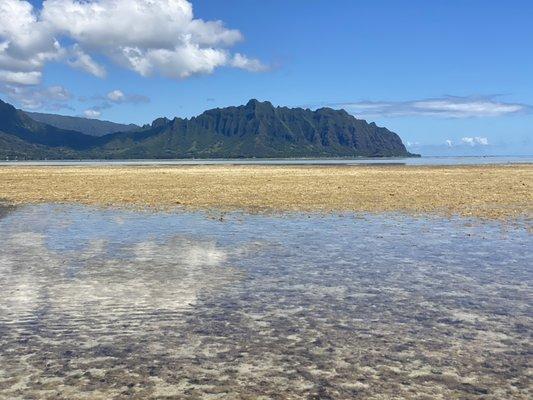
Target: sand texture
point(496, 192)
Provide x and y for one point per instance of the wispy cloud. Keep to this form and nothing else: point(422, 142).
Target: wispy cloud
point(51, 98)
point(445, 107)
point(109, 100)
point(119, 97)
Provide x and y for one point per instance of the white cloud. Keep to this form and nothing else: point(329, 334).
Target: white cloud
point(26, 43)
point(81, 60)
point(475, 141)
point(180, 62)
point(468, 141)
point(118, 96)
point(149, 37)
point(90, 113)
point(249, 64)
point(20, 78)
point(447, 107)
point(38, 97)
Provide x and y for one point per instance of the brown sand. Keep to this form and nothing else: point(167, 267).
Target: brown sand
point(500, 192)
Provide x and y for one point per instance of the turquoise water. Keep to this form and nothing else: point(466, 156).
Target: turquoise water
point(102, 303)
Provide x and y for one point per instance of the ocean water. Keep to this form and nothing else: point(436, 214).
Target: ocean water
point(466, 160)
point(104, 304)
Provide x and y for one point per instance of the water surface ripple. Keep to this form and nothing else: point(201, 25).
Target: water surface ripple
point(103, 304)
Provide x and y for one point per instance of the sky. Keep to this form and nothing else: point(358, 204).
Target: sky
point(450, 77)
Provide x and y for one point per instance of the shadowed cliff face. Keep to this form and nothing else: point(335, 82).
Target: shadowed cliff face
point(115, 304)
point(257, 129)
point(16, 123)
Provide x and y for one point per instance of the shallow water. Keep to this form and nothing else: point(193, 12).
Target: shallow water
point(444, 160)
point(104, 304)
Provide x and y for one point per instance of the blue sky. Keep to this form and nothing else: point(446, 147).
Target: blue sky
point(450, 77)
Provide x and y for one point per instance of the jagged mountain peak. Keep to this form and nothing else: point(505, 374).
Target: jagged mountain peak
point(257, 129)
point(254, 103)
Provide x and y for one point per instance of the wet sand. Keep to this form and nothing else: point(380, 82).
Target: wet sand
point(496, 192)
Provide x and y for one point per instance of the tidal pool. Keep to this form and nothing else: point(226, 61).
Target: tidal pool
point(104, 304)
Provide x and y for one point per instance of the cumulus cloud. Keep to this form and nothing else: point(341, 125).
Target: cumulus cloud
point(447, 107)
point(26, 43)
point(149, 37)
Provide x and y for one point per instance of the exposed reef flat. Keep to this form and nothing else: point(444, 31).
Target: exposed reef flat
point(496, 192)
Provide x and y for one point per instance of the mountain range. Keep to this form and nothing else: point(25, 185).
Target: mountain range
point(257, 129)
point(93, 127)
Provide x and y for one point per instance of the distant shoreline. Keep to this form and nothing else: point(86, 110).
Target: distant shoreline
point(493, 191)
point(424, 160)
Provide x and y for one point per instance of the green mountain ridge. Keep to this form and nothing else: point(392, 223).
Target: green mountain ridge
point(257, 129)
point(88, 126)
